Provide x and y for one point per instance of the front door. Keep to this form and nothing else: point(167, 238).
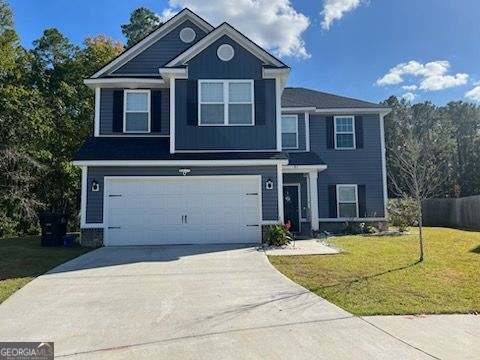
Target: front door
point(291, 207)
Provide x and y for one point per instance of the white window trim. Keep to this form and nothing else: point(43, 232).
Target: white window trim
point(226, 101)
point(296, 128)
point(125, 93)
point(338, 187)
point(345, 132)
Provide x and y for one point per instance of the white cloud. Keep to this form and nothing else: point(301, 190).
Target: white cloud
point(335, 9)
point(433, 75)
point(272, 24)
point(409, 96)
point(474, 94)
point(410, 87)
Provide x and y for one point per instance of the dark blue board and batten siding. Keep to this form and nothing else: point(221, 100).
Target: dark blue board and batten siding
point(161, 52)
point(95, 199)
point(107, 113)
point(359, 166)
point(207, 65)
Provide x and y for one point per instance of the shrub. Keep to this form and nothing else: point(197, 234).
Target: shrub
point(278, 235)
point(403, 213)
point(355, 228)
point(367, 228)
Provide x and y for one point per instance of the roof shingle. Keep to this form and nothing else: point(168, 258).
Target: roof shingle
point(301, 97)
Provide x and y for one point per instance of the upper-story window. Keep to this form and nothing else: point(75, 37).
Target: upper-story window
point(344, 132)
point(290, 131)
point(225, 102)
point(136, 111)
point(347, 201)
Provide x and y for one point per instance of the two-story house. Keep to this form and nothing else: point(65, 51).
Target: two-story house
point(197, 140)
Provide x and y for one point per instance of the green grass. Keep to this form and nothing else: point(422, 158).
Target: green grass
point(22, 259)
point(380, 275)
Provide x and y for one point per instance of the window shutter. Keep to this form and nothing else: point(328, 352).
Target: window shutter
point(362, 201)
point(192, 102)
point(332, 201)
point(156, 110)
point(330, 133)
point(359, 132)
point(117, 116)
point(259, 95)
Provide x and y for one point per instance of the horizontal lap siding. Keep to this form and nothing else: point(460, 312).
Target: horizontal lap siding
point(359, 166)
point(106, 113)
point(161, 52)
point(95, 199)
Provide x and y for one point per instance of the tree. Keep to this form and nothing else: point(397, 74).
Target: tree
point(418, 174)
point(142, 22)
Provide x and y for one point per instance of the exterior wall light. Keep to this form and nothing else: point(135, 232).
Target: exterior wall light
point(269, 184)
point(95, 185)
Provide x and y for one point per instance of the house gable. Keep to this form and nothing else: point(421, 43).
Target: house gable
point(160, 52)
point(161, 32)
point(207, 64)
point(226, 29)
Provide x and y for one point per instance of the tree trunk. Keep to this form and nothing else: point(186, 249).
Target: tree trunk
point(420, 233)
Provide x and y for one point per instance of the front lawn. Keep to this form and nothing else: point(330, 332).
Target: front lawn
point(380, 275)
point(22, 259)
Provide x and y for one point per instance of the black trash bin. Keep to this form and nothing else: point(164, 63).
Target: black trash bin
point(54, 228)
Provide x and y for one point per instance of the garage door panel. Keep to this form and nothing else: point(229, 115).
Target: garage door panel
point(150, 211)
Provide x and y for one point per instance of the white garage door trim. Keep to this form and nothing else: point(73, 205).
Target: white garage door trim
point(108, 179)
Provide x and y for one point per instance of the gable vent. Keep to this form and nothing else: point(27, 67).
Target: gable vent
point(187, 35)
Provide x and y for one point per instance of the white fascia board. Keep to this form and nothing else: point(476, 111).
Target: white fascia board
point(303, 168)
point(383, 111)
point(124, 83)
point(173, 73)
point(254, 162)
point(224, 29)
point(298, 109)
point(349, 111)
point(269, 73)
point(153, 37)
point(352, 219)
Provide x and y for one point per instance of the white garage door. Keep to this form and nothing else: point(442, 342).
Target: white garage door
point(182, 210)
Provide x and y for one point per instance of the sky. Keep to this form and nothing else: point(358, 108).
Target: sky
point(367, 49)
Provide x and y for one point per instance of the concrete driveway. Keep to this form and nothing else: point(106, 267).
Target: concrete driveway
point(187, 302)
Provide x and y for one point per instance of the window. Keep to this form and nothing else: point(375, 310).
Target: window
point(347, 201)
point(344, 132)
point(289, 131)
point(136, 113)
point(225, 102)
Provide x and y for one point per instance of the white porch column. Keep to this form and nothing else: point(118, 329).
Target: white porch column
point(312, 183)
point(280, 193)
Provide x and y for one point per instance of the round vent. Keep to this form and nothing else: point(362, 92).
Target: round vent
point(225, 52)
point(187, 35)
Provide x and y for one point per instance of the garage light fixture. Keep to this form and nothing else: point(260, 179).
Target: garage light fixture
point(269, 184)
point(95, 185)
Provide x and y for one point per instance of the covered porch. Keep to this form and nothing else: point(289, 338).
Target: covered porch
point(300, 197)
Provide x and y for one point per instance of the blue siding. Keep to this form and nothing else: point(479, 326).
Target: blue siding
point(106, 113)
point(207, 65)
point(189, 137)
point(359, 166)
point(95, 199)
point(161, 52)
